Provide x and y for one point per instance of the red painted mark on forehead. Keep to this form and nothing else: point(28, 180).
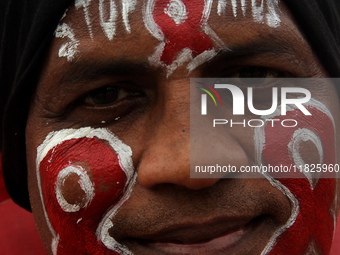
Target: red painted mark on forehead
point(314, 220)
point(100, 163)
point(181, 30)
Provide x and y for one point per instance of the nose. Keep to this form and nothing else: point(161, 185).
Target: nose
point(167, 160)
point(173, 148)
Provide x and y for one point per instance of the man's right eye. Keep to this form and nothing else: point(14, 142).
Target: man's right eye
point(104, 96)
point(107, 96)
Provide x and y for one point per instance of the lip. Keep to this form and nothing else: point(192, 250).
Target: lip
point(219, 236)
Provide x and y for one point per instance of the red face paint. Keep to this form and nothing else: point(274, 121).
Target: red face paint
point(314, 221)
point(181, 23)
point(99, 162)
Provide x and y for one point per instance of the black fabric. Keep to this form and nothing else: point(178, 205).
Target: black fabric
point(26, 29)
point(320, 22)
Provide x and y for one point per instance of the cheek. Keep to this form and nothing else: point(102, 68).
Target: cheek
point(80, 179)
point(312, 141)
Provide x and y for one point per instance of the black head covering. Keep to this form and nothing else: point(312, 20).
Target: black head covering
point(26, 30)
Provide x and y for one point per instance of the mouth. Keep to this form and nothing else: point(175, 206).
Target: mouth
point(221, 236)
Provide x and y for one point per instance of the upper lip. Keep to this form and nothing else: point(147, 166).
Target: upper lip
point(191, 233)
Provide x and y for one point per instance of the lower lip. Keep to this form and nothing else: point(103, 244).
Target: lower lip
point(219, 244)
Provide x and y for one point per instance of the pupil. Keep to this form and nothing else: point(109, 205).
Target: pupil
point(253, 75)
point(105, 95)
point(253, 72)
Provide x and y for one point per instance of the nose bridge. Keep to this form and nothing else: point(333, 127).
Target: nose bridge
point(173, 145)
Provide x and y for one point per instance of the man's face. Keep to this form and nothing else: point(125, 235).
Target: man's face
point(108, 134)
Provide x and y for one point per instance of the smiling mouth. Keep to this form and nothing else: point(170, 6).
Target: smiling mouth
point(217, 237)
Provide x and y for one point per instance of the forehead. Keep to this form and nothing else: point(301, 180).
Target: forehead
point(168, 32)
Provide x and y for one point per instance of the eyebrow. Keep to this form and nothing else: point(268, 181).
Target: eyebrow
point(84, 70)
point(275, 44)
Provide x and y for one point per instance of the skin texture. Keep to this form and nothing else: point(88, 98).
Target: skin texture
point(151, 115)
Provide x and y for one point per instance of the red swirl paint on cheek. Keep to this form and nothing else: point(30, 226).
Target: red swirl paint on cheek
point(95, 159)
point(181, 24)
point(314, 222)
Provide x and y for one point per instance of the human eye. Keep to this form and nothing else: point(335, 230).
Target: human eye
point(107, 96)
point(260, 79)
point(256, 72)
point(257, 76)
point(106, 103)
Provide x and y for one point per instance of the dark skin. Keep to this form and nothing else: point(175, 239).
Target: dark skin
point(150, 112)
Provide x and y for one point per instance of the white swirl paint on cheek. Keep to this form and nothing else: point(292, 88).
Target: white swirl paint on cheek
point(68, 49)
point(85, 184)
point(124, 154)
point(106, 224)
point(298, 136)
point(109, 26)
point(294, 212)
point(303, 135)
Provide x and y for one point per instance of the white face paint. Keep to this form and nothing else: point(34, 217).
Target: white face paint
point(298, 137)
point(127, 7)
point(301, 136)
point(49, 147)
point(85, 4)
point(294, 213)
point(265, 11)
point(176, 11)
point(68, 49)
point(85, 184)
point(108, 25)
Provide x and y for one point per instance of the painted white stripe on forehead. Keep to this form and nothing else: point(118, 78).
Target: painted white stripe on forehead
point(149, 21)
point(109, 26)
point(265, 11)
point(68, 49)
point(127, 7)
point(222, 5)
point(85, 4)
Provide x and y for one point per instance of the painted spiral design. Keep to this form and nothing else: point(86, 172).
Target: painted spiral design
point(176, 11)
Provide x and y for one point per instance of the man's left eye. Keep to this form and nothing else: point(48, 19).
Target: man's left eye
point(105, 96)
point(256, 72)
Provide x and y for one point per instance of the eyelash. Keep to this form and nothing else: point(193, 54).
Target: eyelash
point(107, 104)
point(93, 98)
point(271, 72)
point(117, 100)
